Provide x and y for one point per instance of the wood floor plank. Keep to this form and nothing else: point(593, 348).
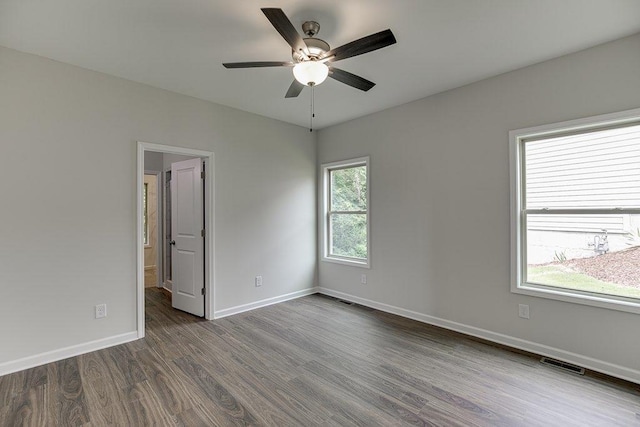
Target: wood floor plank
point(322, 398)
point(280, 356)
point(17, 383)
point(267, 394)
point(363, 371)
point(28, 408)
point(106, 402)
point(69, 404)
point(313, 361)
point(122, 361)
point(433, 392)
point(198, 416)
point(225, 402)
point(381, 402)
point(173, 393)
point(92, 366)
point(143, 407)
point(163, 344)
point(437, 416)
point(10, 385)
point(255, 382)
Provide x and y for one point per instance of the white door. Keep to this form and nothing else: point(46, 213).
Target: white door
point(187, 231)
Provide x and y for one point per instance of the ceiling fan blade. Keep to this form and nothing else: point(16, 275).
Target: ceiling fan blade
point(258, 64)
point(294, 90)
point(358, 47)
point(350, 79)
point(286, 29)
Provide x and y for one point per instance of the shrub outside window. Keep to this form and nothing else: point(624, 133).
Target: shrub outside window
point(576, 211)
point(346, 212)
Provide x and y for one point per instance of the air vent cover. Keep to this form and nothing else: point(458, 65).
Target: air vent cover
point(563, 365)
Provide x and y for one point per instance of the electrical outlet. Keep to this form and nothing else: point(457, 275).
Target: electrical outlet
point(523, 311)
point(101, 311)
point(363, 279)
point(258, 281)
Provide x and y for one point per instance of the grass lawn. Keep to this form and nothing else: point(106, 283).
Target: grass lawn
point(562, 277)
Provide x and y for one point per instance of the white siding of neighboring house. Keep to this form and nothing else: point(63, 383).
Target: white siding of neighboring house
point(614, 224)
point(593, 170)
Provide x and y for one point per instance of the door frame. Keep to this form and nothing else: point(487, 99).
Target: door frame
point(164, 207)
point(209, 217)
point(159, 228)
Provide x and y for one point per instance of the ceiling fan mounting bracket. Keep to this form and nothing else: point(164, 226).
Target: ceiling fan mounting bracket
point(310, 28)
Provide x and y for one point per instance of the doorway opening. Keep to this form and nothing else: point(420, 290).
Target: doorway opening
point(185, 227)
point(151, 228)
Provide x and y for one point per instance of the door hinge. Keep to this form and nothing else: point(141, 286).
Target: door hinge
point(202, 174)
point(202, 291)
point(202, 232)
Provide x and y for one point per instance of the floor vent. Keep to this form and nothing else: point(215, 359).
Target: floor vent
point(345, 302)
point(563, 365)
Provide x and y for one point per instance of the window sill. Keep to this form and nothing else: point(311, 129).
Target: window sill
point(345, 261)
point(603, 301)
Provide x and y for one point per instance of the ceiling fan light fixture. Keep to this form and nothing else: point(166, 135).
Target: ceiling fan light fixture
point(310, 73)
point(310, 55)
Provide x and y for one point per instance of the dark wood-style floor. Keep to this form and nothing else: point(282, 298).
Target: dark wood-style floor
point(311, 361)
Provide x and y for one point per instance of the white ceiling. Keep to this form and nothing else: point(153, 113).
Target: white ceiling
point(179, 45)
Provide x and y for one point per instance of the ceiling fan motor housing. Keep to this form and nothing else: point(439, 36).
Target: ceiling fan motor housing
point(316, 47)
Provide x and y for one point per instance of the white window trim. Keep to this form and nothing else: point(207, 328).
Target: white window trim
point(325, 182)
point(518, 245)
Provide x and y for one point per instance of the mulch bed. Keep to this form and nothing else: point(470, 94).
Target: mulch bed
point(622, 267)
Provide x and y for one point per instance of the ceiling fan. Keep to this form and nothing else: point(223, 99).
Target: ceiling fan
point(312, 57)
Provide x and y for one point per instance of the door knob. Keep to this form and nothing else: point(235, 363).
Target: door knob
point(173, 242)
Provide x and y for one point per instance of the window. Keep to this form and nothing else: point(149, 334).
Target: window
point(576, 211)
point(346, 212)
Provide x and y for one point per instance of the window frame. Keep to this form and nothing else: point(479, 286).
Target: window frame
point(517, 139)
point(326, 170)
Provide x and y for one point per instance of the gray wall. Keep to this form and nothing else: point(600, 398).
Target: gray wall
point(67, 184)
point(153, 162)
point(440, 205)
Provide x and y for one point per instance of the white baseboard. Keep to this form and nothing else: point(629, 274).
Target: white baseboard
point(263, 303)
point(64, 353)
point(532, 347)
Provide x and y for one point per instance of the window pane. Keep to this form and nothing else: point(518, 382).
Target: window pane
point(599, 169)
point(349, 235)
point(349, 189)
point(591, 253)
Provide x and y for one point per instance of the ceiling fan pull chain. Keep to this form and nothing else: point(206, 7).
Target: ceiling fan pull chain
point(313, 113)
